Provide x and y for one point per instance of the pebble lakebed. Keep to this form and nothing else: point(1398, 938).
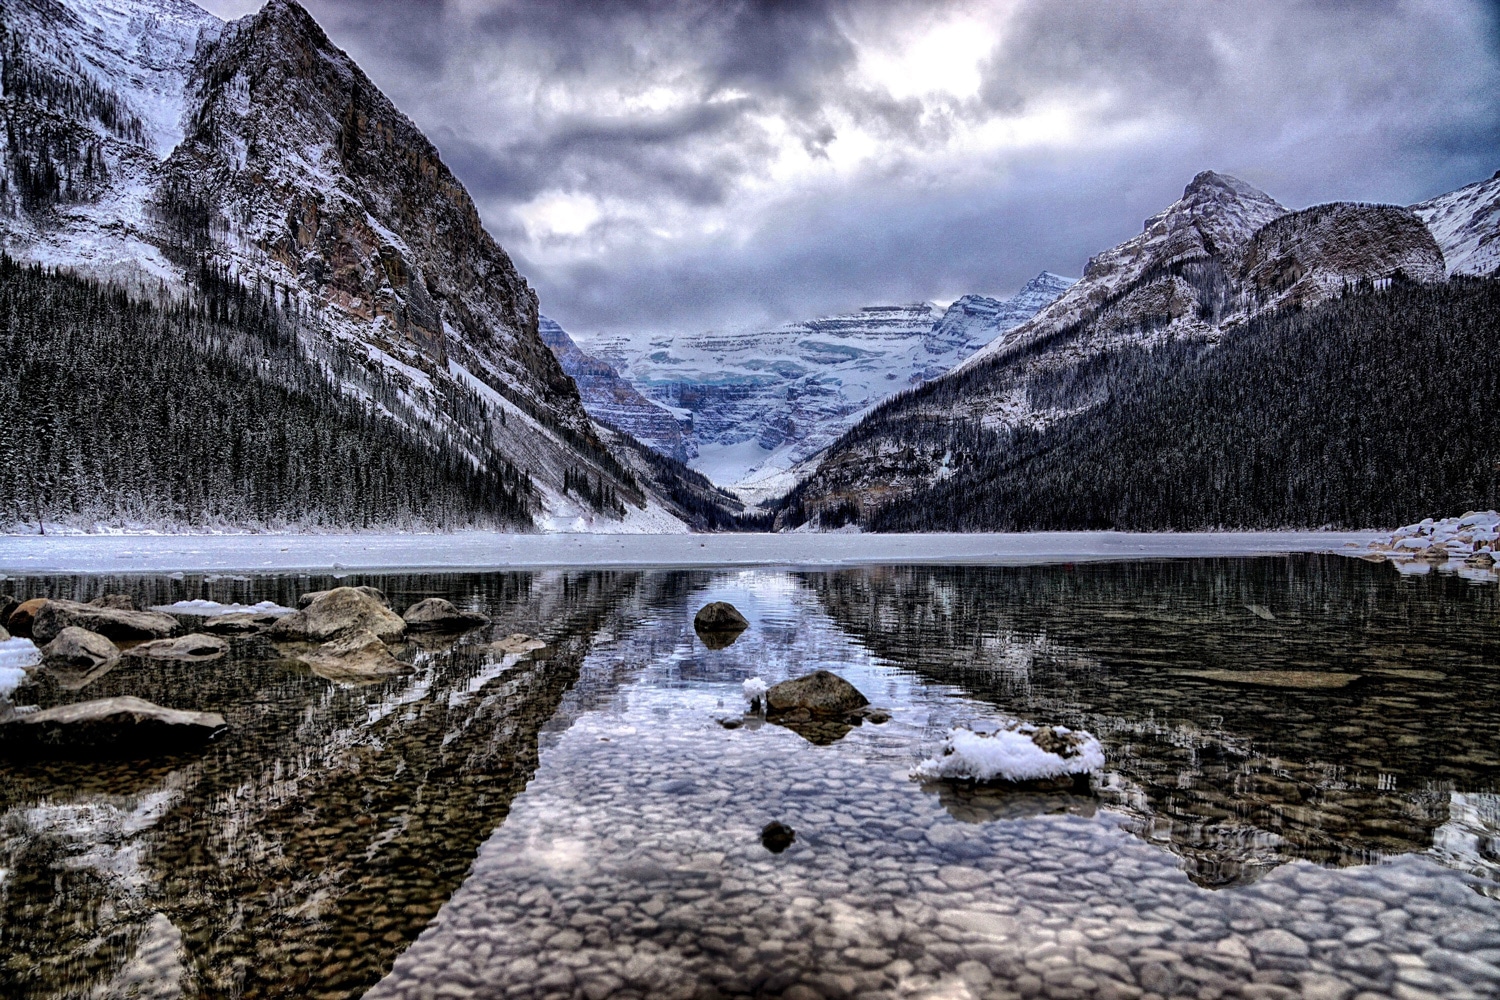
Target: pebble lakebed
point(617, 822)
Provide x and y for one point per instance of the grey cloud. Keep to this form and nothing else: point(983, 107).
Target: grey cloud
point(1309, 99)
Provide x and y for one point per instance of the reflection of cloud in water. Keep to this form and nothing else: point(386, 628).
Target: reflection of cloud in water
point(1470, 840)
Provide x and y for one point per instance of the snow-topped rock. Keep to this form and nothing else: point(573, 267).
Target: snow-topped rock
point(1018, 752)
point(1468, 544)
point(1466, 224)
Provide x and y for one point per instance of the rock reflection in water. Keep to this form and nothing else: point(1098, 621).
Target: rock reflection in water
point(633, 866)
point(1287, 761)
point(302, 853)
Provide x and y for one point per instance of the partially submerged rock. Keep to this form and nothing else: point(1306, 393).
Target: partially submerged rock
point(518, 643)
point(370, 592)
point(720, 616)
point(821, 694)
point(437, 615)
point(1020, 753)
point(719, 624)
point(120, 602)
point(359, 656)
point(239, 623)
point(22, 615)
point(50, 617)
point(337, 612)
point(79, 650)
point(192, 648)
point(108, 726)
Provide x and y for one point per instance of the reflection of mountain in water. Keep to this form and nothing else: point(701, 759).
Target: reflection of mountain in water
point(319, 838)
point(1234, 778)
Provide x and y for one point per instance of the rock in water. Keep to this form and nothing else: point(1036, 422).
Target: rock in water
point(357, 656)
point(4, 635)
point(720, 616)
point(8, 606)
point(126, 727)
point(518, 643)
point(437, 615)
point(193, 648)
point(22, 616)
point(1020, 753)
point(821, 694)
point(52, 616)
point(76, 649)
point(313, 595)
point(120, 602)
point(777, 837)
point(337, 612)
point(239, 623)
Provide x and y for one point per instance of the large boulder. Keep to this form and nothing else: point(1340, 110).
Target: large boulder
point(53, 616)
point(820, 694)
point(125, 727)
point(120, 602)
point(437, 615)
point(76, 649)
point(313, 595)
point(192, 648)
point(8, 606)
point(338, 612)
point(22, 615)
point(359, 656)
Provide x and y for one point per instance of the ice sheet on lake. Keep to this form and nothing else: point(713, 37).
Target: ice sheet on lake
point(26, 554)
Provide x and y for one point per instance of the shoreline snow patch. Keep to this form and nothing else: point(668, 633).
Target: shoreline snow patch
point(209, 609)
point(1019, 752)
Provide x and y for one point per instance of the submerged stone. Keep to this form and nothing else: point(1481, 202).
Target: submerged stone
point(192, 648)
point(108, 726)
point(360, 655)
point(437, 615)
point(1306, 680)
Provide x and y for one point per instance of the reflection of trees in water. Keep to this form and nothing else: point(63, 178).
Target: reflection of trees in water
point(308, 848)
point(1234, 779)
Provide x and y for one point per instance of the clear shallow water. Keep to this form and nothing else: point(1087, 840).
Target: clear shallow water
point(1245, 839)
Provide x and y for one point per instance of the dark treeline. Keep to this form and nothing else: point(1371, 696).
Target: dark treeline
point(1374, 409)
point(207, 412)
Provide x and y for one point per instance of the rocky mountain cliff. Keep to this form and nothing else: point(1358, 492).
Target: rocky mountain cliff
point(752, 404)
point(612, 398)
point(148, 143)
point(1213, 261)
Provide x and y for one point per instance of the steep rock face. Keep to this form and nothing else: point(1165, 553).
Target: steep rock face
point(146, 142)
point(1166, 275)
point(1304, 257)
point(1222, 254)
point(1466, 224)
point(754, 403)
point(611, 398)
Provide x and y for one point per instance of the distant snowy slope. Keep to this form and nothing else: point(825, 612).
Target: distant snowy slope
point(1466, 224)
point(753, 403)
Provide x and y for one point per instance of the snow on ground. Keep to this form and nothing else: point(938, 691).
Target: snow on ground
point(1468, 545)
point(210, 608)
point(28, 554)
point(1013, 754)
point(15, 656)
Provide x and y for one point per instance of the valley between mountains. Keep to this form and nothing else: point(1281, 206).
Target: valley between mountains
point(242, 290)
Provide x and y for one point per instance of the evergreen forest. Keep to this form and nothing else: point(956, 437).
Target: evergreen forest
point(205, 412)
point(1372, 410)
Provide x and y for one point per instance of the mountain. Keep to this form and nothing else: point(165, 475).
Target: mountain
point(1211, 265)
point(147, 144)
point(610, 398)
point(754, 403)
point(1466, 224)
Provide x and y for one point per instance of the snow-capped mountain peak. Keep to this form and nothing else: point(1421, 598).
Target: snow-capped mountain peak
point(1466, 224)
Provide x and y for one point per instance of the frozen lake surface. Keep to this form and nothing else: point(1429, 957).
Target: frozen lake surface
point(21, 554)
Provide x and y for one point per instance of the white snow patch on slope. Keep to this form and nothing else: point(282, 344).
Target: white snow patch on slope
point(1466, 224)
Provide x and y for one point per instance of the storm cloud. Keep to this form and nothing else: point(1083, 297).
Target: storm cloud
point(675, 165)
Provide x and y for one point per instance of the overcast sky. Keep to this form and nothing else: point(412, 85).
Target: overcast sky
point(689, 165)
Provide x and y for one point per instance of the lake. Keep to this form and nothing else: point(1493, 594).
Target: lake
point(1301, 795)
